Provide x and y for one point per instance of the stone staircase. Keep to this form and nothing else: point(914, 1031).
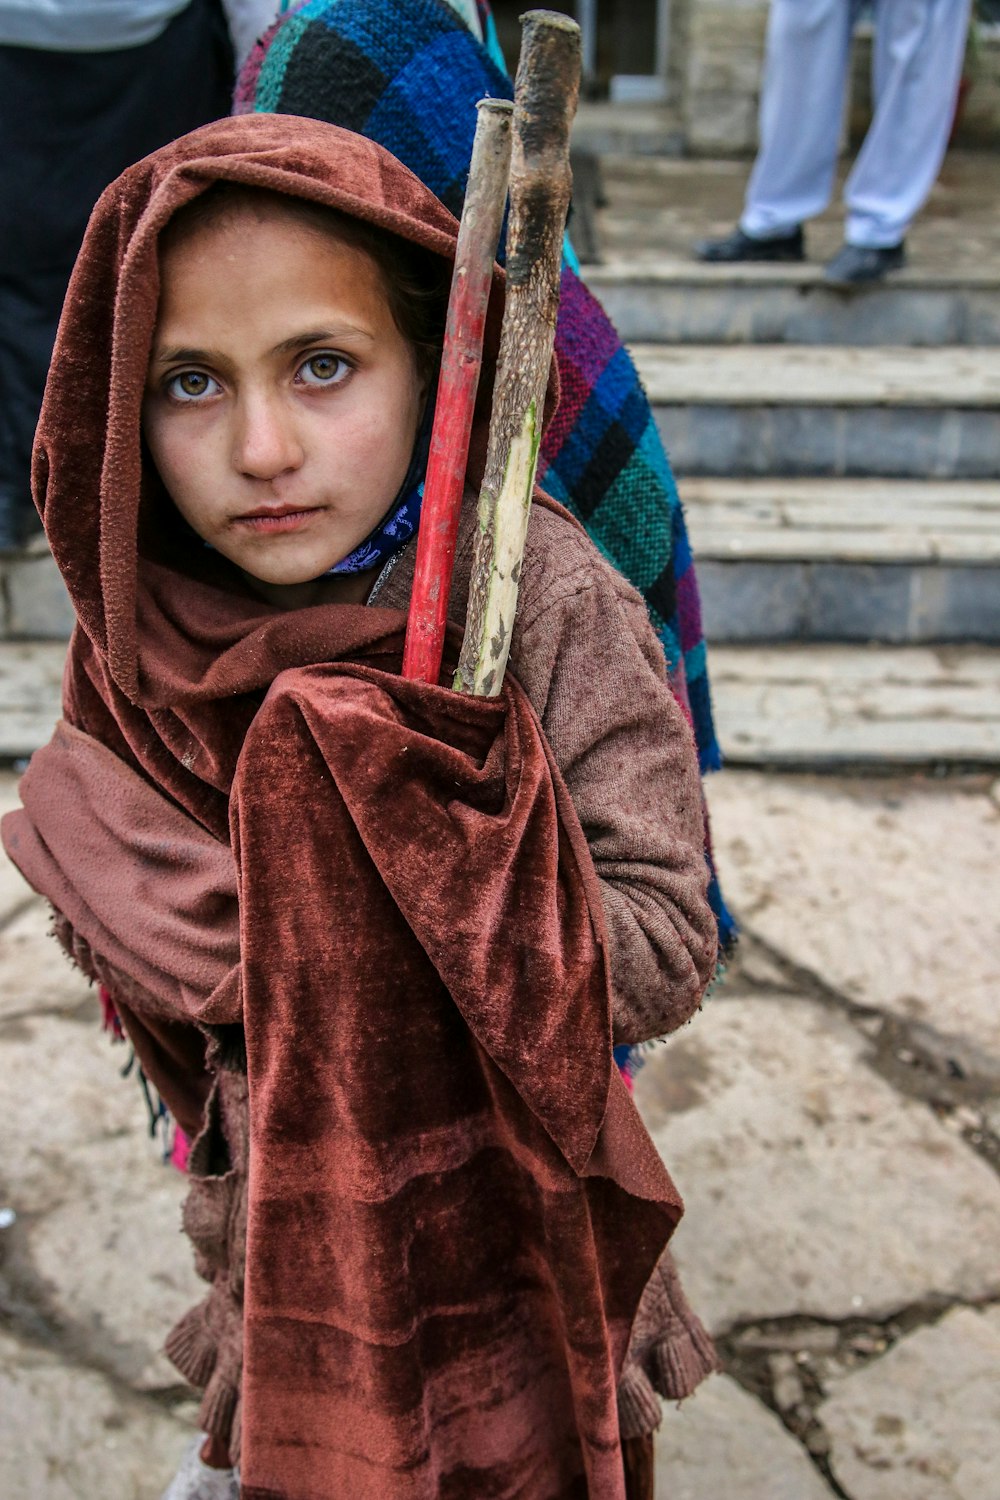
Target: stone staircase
point(665, 298)
point(839, 459)
point(838, 455)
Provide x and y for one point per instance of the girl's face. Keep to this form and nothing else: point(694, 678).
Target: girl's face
point(282, 402)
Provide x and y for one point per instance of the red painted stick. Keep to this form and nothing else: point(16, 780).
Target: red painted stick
point(461, 358)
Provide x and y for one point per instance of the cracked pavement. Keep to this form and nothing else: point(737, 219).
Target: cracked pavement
point(832, 1118)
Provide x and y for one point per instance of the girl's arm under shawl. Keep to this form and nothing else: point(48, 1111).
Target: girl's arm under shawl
point(594, 670)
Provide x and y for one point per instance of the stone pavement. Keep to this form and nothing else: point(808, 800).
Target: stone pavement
point(832, 1118)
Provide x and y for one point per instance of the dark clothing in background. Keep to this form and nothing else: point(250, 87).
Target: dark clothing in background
point(70, 123)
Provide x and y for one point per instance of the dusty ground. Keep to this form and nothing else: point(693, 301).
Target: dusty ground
point(831, 1117)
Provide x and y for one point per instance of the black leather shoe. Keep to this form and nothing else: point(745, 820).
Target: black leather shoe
point(742, 246)
point(858, 265)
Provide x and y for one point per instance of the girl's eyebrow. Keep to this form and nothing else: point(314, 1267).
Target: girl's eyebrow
point(322, 336)
point(184, 354)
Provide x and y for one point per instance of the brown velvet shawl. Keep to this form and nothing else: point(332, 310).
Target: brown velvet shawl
point(453, 1205)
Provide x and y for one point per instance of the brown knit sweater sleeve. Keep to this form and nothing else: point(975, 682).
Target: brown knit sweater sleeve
point(587, 657)
point(594, 670)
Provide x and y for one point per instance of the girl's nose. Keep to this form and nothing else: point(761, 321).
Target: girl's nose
point(265, 442)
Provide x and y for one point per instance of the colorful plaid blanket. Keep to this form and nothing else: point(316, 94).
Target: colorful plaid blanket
point(408, 74)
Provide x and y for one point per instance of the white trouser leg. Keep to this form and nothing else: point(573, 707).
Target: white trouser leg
point(801, 107)
point(916, 65)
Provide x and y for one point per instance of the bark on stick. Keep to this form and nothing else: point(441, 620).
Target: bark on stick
point(461, 358)
point(545, 97)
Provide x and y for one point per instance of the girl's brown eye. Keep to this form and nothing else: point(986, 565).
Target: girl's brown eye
point(324, 369)
point(189, 385)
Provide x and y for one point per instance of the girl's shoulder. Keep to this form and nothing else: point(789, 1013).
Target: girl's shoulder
point(578, 618)
point(569, 586)
point(570, 596)
point(561, 562)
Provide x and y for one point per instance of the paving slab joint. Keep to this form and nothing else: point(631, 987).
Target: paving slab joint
point(82, 1011)
point(787, 1362)
point(11, 915)
point(955, 1079)
point(958, 1080)
point(27, 1315)
point(799, 979)
point(787, 1384)
point(749, 971)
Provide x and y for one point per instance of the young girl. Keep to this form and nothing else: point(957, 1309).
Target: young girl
point(373, 941)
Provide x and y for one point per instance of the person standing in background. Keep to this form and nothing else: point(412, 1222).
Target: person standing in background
point(916, 65)
point(86, 88)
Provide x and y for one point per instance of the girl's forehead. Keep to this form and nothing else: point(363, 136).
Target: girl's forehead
point(241, 235)
point(245, 264)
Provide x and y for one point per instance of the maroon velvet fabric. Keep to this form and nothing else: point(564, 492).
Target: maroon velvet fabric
point(466, 1205)
point(451, 1193)
point(453, 1204)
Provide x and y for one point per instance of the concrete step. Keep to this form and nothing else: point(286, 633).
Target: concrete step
point(802, 706)
point(628, 130)
point(655, 210)
point(656, 298)
point(837, 707)
point(34, 604)
point(896, 561)
point(772, 409)
point(30, 694)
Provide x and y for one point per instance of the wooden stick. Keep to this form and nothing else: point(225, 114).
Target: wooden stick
point(461, 358)
point(545, 95)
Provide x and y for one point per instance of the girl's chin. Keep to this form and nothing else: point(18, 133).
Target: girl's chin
point(311, 583)
point(288, 571)
point(287, 579)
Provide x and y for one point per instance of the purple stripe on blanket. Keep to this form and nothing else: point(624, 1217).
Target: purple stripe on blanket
point(688, 610)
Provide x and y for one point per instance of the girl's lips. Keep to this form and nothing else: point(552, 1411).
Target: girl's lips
point(272, 521)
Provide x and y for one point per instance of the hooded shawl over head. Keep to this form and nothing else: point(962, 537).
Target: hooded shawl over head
point(453, 1207)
